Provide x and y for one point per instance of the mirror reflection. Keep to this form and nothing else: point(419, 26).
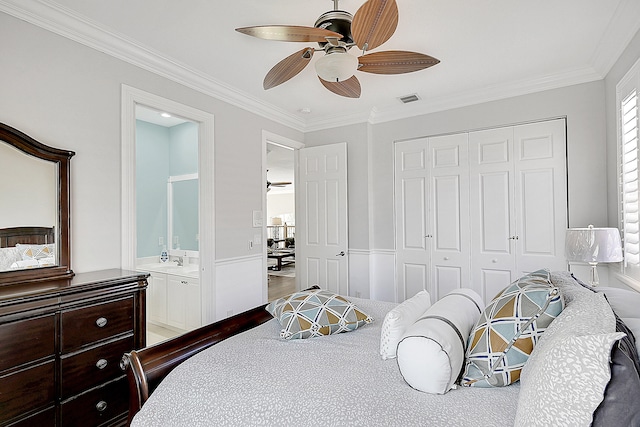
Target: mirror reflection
point(166, 185)
point(183, 208)
point(29, 197)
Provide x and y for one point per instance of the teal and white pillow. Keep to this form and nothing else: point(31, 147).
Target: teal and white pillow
point(315, 313)
point(508, 330)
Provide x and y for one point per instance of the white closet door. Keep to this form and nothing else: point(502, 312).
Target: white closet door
point(412, 210)
point(323, 232)
point(541, 188)
point(493, 225)
point(449, 214)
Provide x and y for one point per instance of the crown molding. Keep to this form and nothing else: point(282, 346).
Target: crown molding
point(486, 94)
point(62, 21)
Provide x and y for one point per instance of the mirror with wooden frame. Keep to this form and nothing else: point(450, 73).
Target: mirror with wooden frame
point(34, 213)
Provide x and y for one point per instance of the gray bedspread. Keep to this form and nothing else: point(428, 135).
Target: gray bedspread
point(258, 379)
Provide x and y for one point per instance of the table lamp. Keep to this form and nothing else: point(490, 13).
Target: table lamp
point(593, 245)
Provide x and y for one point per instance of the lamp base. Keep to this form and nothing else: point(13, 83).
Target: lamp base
point(594, 280)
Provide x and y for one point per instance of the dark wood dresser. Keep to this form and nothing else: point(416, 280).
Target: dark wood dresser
point(61, 343)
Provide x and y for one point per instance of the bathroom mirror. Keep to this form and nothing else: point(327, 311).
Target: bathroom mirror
point(183, 212)
point(34, 194)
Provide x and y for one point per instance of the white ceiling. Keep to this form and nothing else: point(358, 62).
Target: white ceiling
point(489, 49)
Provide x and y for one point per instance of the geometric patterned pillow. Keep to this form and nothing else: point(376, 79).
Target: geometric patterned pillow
point(36, 251)
point(508, 330)
point(315, 313)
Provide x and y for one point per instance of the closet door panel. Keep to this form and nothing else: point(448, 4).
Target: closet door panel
point(411, 207)
point(449, 214)
point(540, 151)
point(491, 174)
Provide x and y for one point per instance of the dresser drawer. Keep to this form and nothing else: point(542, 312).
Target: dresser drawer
point(27, 390)
point(40, 334)
point(97, 406)
point(94, 323)
point(46, 418)
point(93, 367)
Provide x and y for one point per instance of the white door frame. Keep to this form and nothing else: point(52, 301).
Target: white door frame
point(269, 137)
point(130, 98)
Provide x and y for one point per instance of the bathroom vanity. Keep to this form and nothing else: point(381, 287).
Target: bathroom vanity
point(173, 296)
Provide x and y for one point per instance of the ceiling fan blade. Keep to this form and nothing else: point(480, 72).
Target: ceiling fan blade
point(287, 68)
point(395, 62)
point(349, 88)
point(374, 23)
point(289, 33)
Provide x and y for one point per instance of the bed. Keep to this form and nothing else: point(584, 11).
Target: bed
point(241, 372)
point(12, 255)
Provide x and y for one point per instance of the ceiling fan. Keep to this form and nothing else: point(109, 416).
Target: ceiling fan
point(337, 32)
point(276, 184)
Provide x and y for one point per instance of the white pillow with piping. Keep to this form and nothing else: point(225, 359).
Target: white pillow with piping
point(431, 352)
point(399, 319)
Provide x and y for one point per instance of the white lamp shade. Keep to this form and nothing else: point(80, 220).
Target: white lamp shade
point(336, 66)
point(593, 245)
point(276, 221)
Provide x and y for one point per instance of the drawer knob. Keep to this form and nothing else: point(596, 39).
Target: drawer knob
point(101, 322)
point(101, 406)
point(101, 364)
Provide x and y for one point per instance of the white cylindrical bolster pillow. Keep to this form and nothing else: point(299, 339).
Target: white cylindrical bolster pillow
point(431, 351)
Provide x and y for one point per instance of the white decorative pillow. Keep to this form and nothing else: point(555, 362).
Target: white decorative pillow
point(569, 382)
point(399, 319)
point(577, 345)
point(36, 251)
point(431, 352)
point(8, 256)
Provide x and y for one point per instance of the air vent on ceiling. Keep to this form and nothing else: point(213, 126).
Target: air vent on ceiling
point(409, 98)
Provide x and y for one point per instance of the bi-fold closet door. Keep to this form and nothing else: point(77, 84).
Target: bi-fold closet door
point(480, 209)
point(432, 215)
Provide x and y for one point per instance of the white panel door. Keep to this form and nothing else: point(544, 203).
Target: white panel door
point(493, 225)
point(321, 232)
point(413, 241)
point(449, 214)
point(518, 200)
point(541, 190)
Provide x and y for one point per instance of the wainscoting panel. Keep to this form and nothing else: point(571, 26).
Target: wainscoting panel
point(239, 285)
point(372, 274)
point(359, 278)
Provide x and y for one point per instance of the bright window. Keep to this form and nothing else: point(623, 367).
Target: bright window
point(629, 168)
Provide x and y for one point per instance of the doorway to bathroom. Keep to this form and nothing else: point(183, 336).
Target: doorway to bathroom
point(181, 291)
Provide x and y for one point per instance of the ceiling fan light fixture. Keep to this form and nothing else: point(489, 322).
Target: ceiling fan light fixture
point(336, 66)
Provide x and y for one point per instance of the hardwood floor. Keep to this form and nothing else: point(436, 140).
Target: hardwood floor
point(280, 286)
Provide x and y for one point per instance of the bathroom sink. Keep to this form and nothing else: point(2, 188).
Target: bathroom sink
point(170, 268)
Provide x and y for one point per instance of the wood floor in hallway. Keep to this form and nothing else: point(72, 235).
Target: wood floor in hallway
point(280, 286)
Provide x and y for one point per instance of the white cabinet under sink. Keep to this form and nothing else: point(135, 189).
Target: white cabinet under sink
point(173, 297)
point(157, 298)
point(183, 302)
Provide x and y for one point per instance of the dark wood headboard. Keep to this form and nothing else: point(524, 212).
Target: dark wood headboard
point(29, 235)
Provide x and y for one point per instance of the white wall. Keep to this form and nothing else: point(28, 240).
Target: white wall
point(68, 95)
point(371, 170)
